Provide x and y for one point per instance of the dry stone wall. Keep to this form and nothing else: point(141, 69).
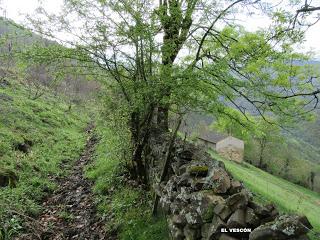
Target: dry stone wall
point(202, 201)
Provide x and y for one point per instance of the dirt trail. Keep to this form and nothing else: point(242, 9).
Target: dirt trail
point(70, 213)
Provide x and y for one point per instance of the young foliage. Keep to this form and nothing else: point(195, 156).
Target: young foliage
point(185, 55)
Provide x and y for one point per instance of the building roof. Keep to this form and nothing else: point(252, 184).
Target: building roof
point(211, 136)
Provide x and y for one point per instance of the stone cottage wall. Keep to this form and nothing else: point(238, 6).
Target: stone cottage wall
point(230, 141)
point(202, 201)
point(231, 153)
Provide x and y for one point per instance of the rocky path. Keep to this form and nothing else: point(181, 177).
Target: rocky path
point(70, 213)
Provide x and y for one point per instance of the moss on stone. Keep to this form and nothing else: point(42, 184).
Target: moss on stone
point(208, 215)
point(198, 170)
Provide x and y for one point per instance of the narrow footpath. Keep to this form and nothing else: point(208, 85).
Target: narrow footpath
point(70, 212)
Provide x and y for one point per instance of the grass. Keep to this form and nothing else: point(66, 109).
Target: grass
point(287, 196)
point(127, 208)
point(56, 135)
point(291, 159)
point(130, 206)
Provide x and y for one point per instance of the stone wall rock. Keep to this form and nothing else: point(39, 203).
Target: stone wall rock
point(202, 200)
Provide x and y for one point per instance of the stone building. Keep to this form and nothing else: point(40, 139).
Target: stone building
point(227, 146)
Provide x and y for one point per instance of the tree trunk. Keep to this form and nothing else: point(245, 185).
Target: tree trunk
point(263, 143)
point(163, 117)
point(134, 127)
point(166, 166)
point(140, 131)
point(312, 175)
point(138, 165)
point(260, 159)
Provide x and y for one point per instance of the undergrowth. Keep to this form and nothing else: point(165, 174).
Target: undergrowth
point(126, 208)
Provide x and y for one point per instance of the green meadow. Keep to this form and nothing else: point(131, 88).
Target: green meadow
point(287, 196)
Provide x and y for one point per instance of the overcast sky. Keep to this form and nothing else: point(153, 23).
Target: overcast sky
point(15, 9)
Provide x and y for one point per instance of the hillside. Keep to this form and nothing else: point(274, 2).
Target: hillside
point(301, 145)
point(101, 103)
point(42, 140)
point(294, 155)
point(38, 78)
point(266, 187)
point(309, 132)
point(17, 36)
point(55, 136)
point(36, 137)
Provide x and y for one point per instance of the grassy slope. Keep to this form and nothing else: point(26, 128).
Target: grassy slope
point(127, 208)
point(288, 196)
point(57, 136)
point(301, 157)
point(301, 148)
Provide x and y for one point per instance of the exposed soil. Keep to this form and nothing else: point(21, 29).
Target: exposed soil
point(70, 212)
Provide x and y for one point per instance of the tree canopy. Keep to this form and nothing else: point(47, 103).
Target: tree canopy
point(181, 55)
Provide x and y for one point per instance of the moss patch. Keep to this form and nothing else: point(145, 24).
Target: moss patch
point(198, 170)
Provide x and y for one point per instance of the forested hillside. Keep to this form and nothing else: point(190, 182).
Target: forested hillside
point(308, 132)
point(95, 98)
point(38, 78)
point(292, 153)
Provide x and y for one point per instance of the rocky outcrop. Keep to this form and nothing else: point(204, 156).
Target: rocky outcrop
point(202, 201)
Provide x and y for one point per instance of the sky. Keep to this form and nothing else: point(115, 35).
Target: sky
point(15, 9)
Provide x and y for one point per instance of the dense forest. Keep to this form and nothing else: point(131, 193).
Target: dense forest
point(101, 108)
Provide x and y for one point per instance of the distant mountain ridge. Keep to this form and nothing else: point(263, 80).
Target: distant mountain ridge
point(18, 36)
